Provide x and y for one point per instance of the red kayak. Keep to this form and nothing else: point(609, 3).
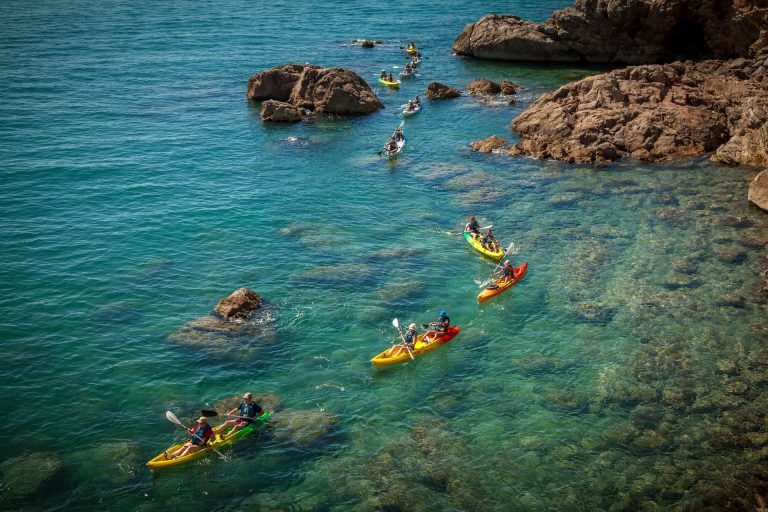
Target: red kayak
point(502, 284)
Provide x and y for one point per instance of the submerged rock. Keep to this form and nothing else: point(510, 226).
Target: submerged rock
point(303, 427)
point(23, 476)
point(438, 91)
point(736, 222)
point(758, 190)
point(730, 255)
point(116, 462)
point(313, 89)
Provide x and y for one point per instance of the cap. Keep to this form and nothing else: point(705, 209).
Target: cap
point(248, 395)
point(442, 311)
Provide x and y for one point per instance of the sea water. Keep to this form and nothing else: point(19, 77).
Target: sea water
point(138, 187)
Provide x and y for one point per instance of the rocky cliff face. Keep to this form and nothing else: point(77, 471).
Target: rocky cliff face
point(311, 88)
point(652, 113)
point(623, 32)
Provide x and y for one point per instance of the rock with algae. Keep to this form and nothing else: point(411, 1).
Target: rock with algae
point(25, 475)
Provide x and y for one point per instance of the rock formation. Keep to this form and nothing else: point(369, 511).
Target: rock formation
point(488, 145)
point(621, 32)
point(273, 110)
point(312, 89)
point(652, 113)
point(238, 305)
point(438, 91)
point(758, 190)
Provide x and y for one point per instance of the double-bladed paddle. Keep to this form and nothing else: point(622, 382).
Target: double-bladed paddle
point(405, 343)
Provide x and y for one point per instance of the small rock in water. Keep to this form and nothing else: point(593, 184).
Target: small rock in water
point(737, 222)
point(238, 305)
point(730, 255)
point(733, 300)
point(488, 145)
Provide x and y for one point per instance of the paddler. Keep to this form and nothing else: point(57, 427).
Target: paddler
point(473, 227)
point(443, 323)
point(247, 411)
point(409, 339)
point(507, 271)
point(398, 135)
point(383, 74)
point(201, 434)
point(489, 241)
point(417, 101)
point(389, 78)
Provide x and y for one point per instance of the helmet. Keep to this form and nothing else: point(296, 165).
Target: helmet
point(442, 311)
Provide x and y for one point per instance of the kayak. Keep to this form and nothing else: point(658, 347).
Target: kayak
point(501, 285)
point(407, 75)
point(412, 112)
point(411, 50)
point(424, 343)
point(476, 245)
point(394, 85)
point(400, 146)
point(220, 442)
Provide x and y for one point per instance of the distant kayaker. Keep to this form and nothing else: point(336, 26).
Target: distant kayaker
point(489, 241)
point(389, 78)
point(443, 323)
point(473, 227)
point(383, 74)
point(411, 106)
point(201, 434)
point(417, 100)
point(247, 411)
point(398, 136)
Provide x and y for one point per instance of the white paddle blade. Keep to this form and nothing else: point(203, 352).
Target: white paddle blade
point(489, 226)
point(172, 418)
point(396, 323)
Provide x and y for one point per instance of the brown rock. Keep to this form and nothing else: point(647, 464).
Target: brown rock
point(489, 144)
point(238, 305)
point(508, 88)
point(310, 87)
point(648, 113)
point(730, 255)
point(611, 31)
point(483, 86)
point(758, 191)
point(438, 91)
point(273, 110)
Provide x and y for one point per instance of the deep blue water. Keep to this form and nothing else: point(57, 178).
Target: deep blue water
point(139, 187)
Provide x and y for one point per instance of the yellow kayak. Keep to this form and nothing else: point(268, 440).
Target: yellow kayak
point(411, 50)
point(220, 442)
point(476, 245)
point(424, 343)
point(394, 85)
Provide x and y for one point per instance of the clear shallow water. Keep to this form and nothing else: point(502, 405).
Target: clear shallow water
point(138, 188)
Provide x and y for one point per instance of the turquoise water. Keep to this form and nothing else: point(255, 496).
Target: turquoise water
point(139, 187)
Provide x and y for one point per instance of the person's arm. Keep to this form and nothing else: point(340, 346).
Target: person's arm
point(233, 411)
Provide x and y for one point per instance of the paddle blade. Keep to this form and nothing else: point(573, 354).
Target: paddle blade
point(395, 323)
point(172, 418)
point(209, 413)
point(489, 226)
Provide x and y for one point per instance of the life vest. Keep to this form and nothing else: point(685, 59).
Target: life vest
point(409, 336)
point(200, 434)
point(248, 409)
point(474, 226)
point(441, 320)
point(507, 272)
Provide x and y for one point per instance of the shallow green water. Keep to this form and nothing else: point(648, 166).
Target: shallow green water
point(138, 188)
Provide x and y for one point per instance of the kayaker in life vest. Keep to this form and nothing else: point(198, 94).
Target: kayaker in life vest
point(489, 241)
point(411, 106)
point(246, 412)
point(443, 323)
point(383, 74)
point(473, 227)
point(389, 78)
point(201, 435)
point(417, 101)
point(410, 339)
point(398, 135)
point(507, 271)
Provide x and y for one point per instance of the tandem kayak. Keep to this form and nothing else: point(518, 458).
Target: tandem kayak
point(502, 284)
point(412, 112)
point(399, 149)
point(394, 85)
point(220, 442)
point(424, 343)
point(476, 245)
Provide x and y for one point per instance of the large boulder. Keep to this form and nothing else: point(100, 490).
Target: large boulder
point(651, 113)
point(238, 305)
point(758, 190)
point(438, 91)
point(273, 110)
point(483, 86)
point(622, 32)
point(312, 89)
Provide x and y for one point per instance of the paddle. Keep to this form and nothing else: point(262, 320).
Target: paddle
point(501, 262)
point(405, 344)
point(173, 419)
